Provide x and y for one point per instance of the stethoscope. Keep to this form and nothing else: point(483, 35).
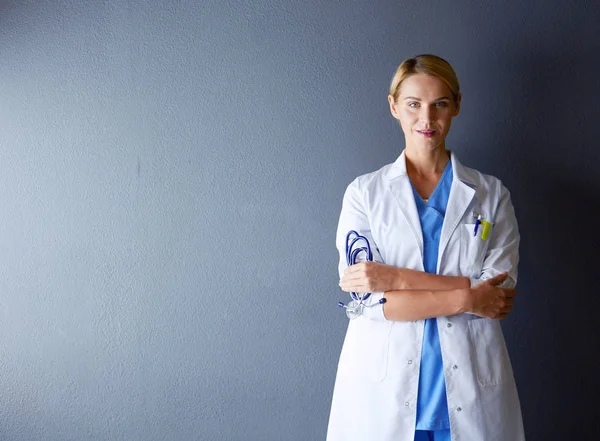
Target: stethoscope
point(353, 249)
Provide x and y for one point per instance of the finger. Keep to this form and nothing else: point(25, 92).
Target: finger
point(500, 313)
point(509, 292)
point(502, 316)
point(350, 269)
point(351, 278)
point(496, 280)
point(354, 268)
point(357, 291)
point(353, 287)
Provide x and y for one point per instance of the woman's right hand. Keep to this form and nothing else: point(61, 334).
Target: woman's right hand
point(489, 300)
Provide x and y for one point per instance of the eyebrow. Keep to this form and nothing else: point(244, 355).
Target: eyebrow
point(419, 99)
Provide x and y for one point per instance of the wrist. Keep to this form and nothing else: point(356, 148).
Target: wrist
point(465, 300)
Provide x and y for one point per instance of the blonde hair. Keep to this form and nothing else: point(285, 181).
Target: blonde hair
point(425, 64)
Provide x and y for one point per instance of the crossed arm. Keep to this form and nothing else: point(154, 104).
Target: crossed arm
point(416, 295)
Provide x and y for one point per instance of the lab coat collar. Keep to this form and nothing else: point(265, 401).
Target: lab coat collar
point(461, 195)
point(459, 171)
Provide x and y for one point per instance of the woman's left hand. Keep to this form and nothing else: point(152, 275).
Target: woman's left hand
point(372, 277)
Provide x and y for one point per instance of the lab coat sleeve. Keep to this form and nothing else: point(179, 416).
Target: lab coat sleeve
point(503, 251)
point(354, 217)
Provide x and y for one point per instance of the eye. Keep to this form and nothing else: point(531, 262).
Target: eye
point(413, 105)
point(441, 104)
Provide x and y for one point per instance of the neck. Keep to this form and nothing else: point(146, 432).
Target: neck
point(426, 162)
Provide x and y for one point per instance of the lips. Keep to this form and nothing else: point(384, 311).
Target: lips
point(426, 133)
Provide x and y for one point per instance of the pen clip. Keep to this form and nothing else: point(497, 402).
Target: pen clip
point(478, 219)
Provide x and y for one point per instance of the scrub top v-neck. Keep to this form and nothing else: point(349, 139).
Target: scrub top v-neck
point(432, 403)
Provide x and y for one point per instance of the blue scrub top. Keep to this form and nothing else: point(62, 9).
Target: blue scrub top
point(432, 404)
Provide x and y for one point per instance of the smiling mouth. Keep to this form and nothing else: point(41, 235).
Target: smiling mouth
point(426, 133)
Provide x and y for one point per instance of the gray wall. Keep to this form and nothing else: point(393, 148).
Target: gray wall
point(171, 175)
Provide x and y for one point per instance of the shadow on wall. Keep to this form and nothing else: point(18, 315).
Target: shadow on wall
point(556, 193)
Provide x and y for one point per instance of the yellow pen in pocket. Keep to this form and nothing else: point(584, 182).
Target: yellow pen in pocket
point(487, 227)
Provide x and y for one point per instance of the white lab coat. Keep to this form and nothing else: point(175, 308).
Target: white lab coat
point(375, 393)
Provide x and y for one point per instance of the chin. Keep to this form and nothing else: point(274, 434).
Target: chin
point(430, 145)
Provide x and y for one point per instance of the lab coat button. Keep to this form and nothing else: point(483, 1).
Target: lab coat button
point(409, 361)
point(449, 325)
point(455, 367)
point(458, 409)
point(407, 404)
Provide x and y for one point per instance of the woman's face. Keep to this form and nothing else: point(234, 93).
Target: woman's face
point(424, 108)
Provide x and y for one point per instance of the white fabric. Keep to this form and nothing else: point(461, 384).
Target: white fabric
point(375, 392)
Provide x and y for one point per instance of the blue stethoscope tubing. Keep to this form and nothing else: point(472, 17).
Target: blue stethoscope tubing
point(353, 251)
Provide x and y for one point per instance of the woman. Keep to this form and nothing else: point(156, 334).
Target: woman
point(430, 363)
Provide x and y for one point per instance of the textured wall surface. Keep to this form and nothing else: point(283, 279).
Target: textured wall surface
point(171, 174)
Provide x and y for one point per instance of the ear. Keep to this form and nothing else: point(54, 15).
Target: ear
point(393, 107)
point(457, 105)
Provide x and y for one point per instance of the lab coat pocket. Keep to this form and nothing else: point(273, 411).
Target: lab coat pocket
point(472, 252)
point(365, 350)
point(489, 349)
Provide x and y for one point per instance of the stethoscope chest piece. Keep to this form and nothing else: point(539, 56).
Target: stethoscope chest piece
point(354, 309)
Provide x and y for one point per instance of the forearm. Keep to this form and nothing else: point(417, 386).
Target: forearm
point(420, 280)
point(408, 305)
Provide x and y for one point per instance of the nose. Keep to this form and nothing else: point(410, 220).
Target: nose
point(427, 114)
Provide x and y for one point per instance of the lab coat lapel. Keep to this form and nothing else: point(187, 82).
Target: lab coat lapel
point(461, 195)
point(402, 191)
